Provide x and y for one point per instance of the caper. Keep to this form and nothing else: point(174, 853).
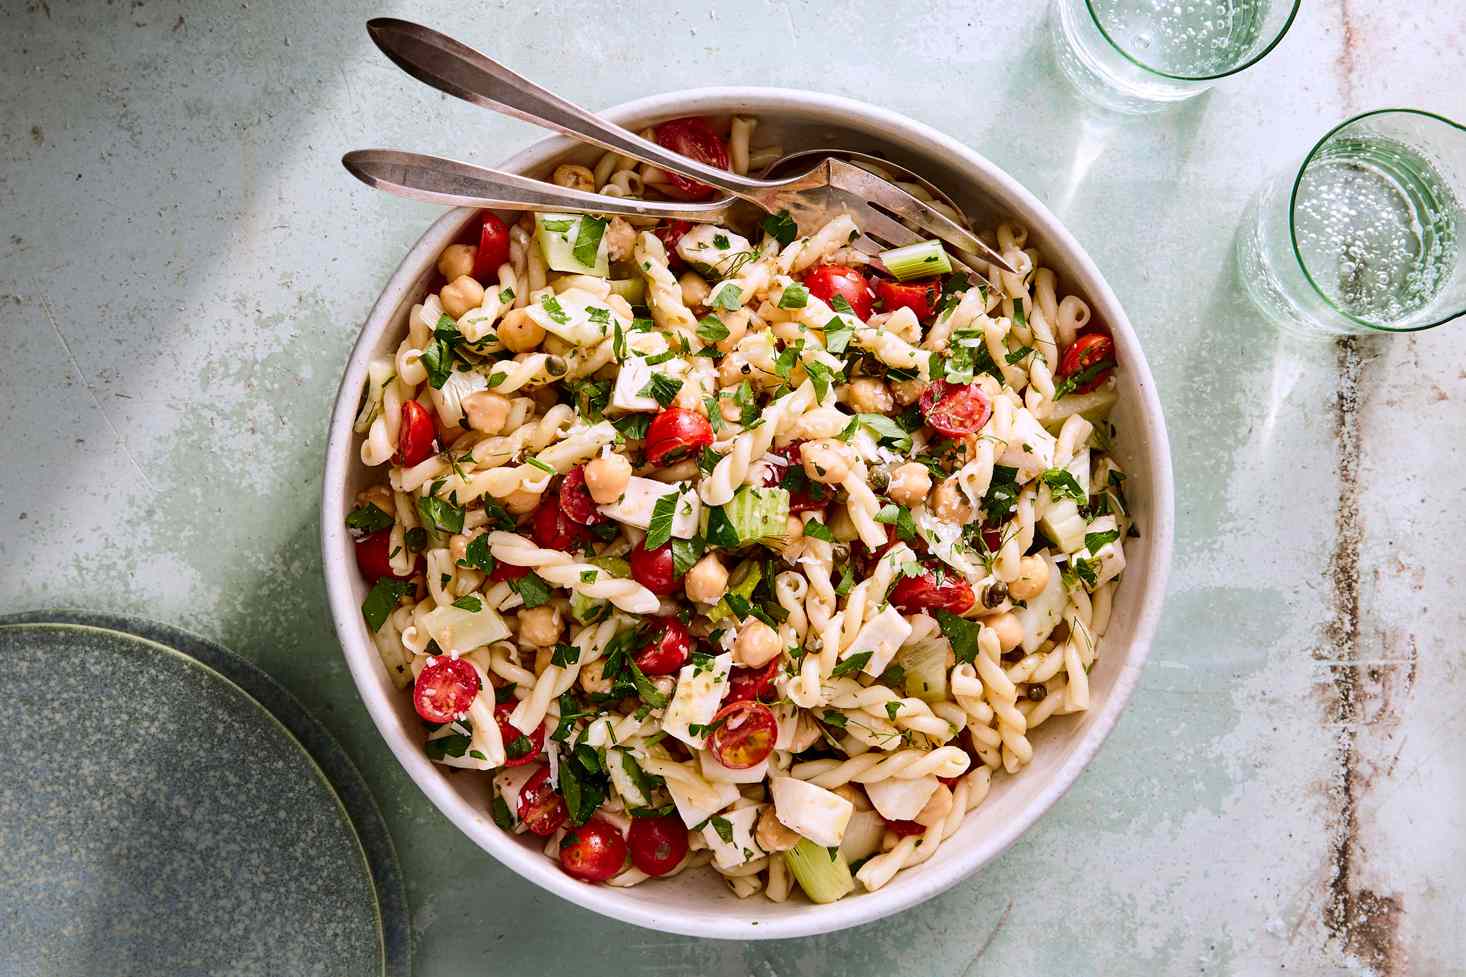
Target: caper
point(555, 366)
point(995, 595)
point(1037, 692)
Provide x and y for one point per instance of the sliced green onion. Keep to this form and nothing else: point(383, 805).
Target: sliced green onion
point(921, 260)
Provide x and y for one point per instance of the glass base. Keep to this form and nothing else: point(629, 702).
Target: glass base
point(1105, 76)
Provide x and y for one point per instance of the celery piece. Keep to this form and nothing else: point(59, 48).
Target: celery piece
point(921, 260)
point(822, 876)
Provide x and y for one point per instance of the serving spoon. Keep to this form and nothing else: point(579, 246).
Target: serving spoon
point(811, 199)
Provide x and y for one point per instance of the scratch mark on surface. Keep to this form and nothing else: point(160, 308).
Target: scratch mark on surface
point(1364, 922)
point(1346, 58)
point(1003, 919)
point(87, 385)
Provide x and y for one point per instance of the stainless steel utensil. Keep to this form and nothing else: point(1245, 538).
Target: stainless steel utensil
point(811, 199)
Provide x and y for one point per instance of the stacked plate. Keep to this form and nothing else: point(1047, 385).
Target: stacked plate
point(166, 808)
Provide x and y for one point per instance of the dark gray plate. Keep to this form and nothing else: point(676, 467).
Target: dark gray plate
point(161, 813)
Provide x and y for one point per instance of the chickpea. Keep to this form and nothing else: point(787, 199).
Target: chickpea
point(771, 834)
point(869, 396)
point(937, 808)
point(543, 657)
point(707, 580)
point(950, 504)
point(620, 239)
point(456, 261)
point(593, 678)
point(460, 295)
point(757, 644)
point(574, 176)
point(487, 411)
point(607, 477)
point(541, 626)
point(909, 484)
point(521, 501)
point(694, 289)
point(1033, 577)
point(908, 392)
point(1009, 629)
point(826, 460)
point(519, 333)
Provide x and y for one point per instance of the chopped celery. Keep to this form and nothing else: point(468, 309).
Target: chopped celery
point(925, 663)
point(1062, 523)
point(616, 566)
point(743, 583)
point(587, 610)
point(559, 239)
point(633, 290)
point(753, 515)
point(822, 876)
point(921, 260)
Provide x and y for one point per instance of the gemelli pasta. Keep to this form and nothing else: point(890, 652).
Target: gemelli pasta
point(728, 549)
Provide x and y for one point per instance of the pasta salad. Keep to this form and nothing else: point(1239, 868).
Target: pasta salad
point(726, 547)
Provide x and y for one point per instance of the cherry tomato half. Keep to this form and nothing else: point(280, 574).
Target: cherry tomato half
point(785, 470)
point(518, 753)
point(553, 529)
point(373, 557)
point(1092, 354)
point(541, 808)
point(754, 683)
point(670, 233)
point(904, 829)
point(593, 852)
point(694, 138)
point(655, 569)
point(445, 689)
point(827, 281)
point(666, 648)
point(415, 435)
point(743, 734)
point(575, 500)
point(676, 434)
point(954, 411)
point(921, 297)
point(924, 592)
point(493, 248)
point(657, 845)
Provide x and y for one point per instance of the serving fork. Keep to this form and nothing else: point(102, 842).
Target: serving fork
point(833, 186)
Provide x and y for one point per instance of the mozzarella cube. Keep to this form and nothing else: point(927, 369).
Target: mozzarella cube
point(713, 769)
point(862, 835)
point(1062, 523)
point(901, 800)
point(1030, 448)
point(882, 636)
point(697, 799)
point(810, 811)
point(739, 847)
point(576, 316)
point(1043, 613)
point(715, 248)
point(1079, 467)
point(699, 693)
point(632, 379)
point(637, 503)
point(1108, 561)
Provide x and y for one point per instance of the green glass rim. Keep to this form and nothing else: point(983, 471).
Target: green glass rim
point(1293, 226)
point(1282, 32)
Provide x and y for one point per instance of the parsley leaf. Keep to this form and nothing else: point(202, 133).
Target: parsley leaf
point(477, 555)
point(711, 329)
point(795, 296)
point(962, 633)
point(887, 431)
point(588, 240)
point(1063, 485)
point(554, 310)
point(892, 514)
point(723, 827)
point(1093, 541)
point(532, 588)
point(661, 388)
point(368, 519)
point(686, 553)
point(469, 602)
point(382, 600)
point(728, 297)
point(440, 514)
point(660, 529)
point(820, 375)
point(565, 655)
point(818, 530)
point(780, 227)
point(852, 664)
point(437, 359)
point(837, 334)
point(1001, 495)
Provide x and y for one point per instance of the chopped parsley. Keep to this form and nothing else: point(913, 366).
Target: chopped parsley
point(1063, 485)
point(962, 633)
point(469, 603)
point(588, 240)
point(711, 329)
point(851, 665)
point(368, 519)
point(533, 589)
point(795, 296)
point(780, 227)
point(661, 388)
point(382, 600)
point(660, 529)
point(554, 310)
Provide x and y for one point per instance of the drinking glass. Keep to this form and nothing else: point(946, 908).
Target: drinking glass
point(1365, 236)
point(1143, 55)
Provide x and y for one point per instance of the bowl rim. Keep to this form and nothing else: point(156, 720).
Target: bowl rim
point(936, 876)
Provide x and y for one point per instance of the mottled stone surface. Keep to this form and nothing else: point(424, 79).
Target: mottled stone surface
point(183, 267)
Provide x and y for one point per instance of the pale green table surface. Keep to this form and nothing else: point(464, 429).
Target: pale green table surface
point(184, 264)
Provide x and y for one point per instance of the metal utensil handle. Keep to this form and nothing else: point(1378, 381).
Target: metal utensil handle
point(450, 66)
point(446, 181)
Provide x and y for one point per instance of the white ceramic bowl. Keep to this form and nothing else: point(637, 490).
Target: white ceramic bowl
point(699, 903)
